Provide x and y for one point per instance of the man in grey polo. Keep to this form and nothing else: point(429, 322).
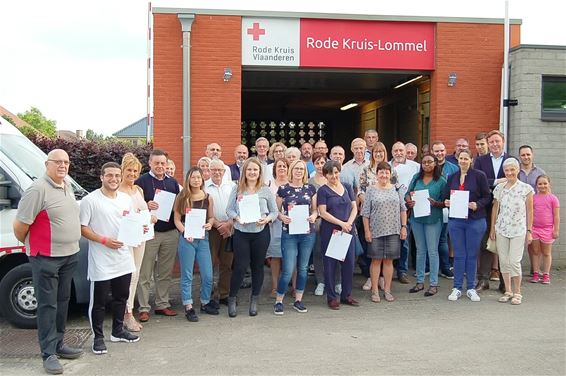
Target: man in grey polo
point(48, 223)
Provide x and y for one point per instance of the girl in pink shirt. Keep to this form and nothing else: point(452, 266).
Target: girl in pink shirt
point(546, 227)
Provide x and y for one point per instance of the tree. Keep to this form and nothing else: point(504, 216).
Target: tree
point(38, 121)
point(9, 119)
point(93, 136)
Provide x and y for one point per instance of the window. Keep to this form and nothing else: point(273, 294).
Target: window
point(554, 98)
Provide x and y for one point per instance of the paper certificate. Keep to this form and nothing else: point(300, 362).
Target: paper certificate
point(146, 221)
point(339, 245)
point(459, 204)
point(422, 204)
point(299, 215)
point(194, 223)
point(131, 229)
point(249, 208)
point(165, 201)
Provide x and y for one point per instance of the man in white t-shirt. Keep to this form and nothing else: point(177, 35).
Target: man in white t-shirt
point(110, 262)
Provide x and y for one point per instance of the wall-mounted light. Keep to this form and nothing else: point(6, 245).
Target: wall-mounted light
point(348, 106)
point(408, 82)
point(452, 79)
point(227, 74)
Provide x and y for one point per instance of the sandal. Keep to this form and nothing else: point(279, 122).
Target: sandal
point(132, 325)
point(418, 287)
point(506, 297)
point(517, 299)
point(388, 296)
point(375, 297)
point(432, 290)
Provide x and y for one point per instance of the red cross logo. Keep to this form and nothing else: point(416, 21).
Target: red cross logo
point(256, 31)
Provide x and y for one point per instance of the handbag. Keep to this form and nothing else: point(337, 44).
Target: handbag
point(491, 245)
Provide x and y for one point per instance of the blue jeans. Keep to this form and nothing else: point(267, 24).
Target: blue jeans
point(296, 251)
point(443, 249)
point(188, 251)
point(426, 238)
point(403, 261)
point(466, 235)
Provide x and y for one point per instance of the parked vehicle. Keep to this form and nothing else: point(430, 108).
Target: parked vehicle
point(21, 162)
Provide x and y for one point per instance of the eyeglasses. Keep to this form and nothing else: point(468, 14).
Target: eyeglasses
point(59, 162)
point(427, 162)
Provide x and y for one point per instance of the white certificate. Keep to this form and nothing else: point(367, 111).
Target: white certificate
point(249, 208)
point(131, 229)
point(146, 220)
point(299, 215)
point(339, 245)
point(459, 204)
point(165, 201)
point(194, 223)
point(422, 204)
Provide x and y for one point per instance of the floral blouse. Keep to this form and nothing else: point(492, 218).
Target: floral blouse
point(383, 208)
point(296, 196)
point(512, 217)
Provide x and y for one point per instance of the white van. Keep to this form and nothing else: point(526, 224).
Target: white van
point(21, 162)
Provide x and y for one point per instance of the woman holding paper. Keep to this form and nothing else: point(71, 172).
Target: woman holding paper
point(280, 168)
point(338, 210)
point(297, 211)
point(425, 197)
point(385, 225)
point(195, 205)
point(252, 206)
point(131, 167)
point(466, 228)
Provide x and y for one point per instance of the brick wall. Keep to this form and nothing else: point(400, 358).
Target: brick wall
point(547, 138)
point(215, 104)
point(475, 53)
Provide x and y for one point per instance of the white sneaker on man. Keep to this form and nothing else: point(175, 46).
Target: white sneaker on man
point(319, 289)
point(473, 295)
point(455, 295)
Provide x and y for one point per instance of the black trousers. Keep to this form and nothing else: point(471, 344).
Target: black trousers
point(249, 250)
point(120, 287)
point(52, 277)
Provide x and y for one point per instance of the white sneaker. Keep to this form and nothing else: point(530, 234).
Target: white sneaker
point(456, 294)
point(338, 289)
point(473, 295)
point(319, 289)
point(367, 285)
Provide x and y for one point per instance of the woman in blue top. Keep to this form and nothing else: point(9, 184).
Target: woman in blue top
point(466, 234)
point(250, 240)
point(295, 248)
point(426, 230)
point(338, 210)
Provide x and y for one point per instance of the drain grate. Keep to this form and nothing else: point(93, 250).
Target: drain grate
point(22, 343)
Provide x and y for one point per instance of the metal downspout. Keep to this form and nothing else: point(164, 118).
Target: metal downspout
point(186, 24)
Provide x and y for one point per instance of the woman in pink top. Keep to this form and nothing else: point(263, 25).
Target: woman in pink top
point(131, 168)
point(546, 227)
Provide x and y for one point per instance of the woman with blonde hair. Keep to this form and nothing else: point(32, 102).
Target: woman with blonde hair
point(131, 168)
point(204, 165)
point(250, 240)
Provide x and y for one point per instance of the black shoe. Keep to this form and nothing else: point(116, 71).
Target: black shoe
point(482, 285)
point(99, 347)
point(191, 315)
point(52, 366)
point(232, 312)
point(68, 352)
point(124, 336)
point(209, 309)
point(310, 271)
point(253, 305)
point(214, 304)
point(223, 301)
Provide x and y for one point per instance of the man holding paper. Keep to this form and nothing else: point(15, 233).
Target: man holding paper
point(110, 262)
point(159, 191)
point(297, 211)
point(467, 188)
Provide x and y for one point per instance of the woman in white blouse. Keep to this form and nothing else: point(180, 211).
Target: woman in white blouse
point(511, 219)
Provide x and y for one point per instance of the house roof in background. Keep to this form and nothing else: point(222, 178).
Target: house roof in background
point(136, 129)
point(19, 122)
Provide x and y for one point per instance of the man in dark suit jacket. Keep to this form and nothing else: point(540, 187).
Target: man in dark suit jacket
point(240, 154)
point(492, 165)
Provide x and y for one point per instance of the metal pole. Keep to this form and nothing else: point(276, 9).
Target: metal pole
point(148, 98)
point(186, 24)
point(506, 76)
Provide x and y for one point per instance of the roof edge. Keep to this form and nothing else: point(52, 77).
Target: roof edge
point(538, 46)
point(364, 17)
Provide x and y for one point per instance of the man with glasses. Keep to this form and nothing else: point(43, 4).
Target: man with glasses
point(214, 151)
point(461, 144)
point(47, 222)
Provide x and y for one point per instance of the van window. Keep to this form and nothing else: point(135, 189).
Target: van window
point(23, 153)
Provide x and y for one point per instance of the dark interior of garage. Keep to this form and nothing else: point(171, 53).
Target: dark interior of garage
point(276, 103)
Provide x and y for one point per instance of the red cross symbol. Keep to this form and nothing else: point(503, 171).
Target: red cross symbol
point(256, 31)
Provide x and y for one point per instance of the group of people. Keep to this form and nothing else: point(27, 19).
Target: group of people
point(369, 197)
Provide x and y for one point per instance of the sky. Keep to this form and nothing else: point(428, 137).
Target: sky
point(83, 63)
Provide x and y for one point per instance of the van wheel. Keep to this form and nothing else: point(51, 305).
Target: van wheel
point(17, 296)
